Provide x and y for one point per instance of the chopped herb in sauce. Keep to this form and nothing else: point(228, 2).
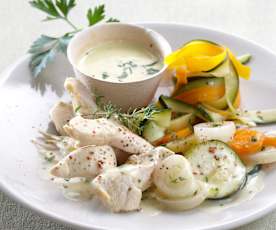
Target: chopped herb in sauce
point(177, 179)
point(216, 124)
point(254, 139)
point(123, 75)
point(151, 64)
point(260, 117)
point(120, 61)
point(105, 75)
point(49, 158)
point(215, 191)
point(77, 109)
point(152, 71)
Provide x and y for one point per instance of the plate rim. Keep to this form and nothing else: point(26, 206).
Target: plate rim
point(5, 75)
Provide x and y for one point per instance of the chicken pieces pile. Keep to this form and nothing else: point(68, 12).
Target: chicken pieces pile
point(118, 164)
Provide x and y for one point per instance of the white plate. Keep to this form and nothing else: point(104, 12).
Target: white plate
point(25, 106)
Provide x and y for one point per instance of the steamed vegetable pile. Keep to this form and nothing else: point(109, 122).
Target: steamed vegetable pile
point(206, 90)
point(202, 120)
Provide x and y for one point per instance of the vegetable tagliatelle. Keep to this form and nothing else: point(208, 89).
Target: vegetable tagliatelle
point(202, 56)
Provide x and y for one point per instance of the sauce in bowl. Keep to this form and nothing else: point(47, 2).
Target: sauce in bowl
point(120, 61)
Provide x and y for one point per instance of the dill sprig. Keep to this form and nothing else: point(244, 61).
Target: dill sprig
point(134, 120)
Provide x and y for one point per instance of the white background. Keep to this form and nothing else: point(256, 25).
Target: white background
point(20, 25)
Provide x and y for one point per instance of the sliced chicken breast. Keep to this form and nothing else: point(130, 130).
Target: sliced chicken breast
point(135, 176)
point(104, 131)
point(117, 191)
point(153, 156)
point(82, 99)
point(141, 174)
point(61, 113)
point(88, 161)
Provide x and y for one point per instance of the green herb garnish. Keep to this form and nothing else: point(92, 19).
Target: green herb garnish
point(123, 75)
point(105, 75)
point(214, 191)
point(133, 120)
point(45, 48)
point(151, 64)
point(96, 15)
point(127, 69)
point(152, 71)
point(177, 180)
point(77, 109)
point(254, 139)
point(49, 158)
point(216, 124)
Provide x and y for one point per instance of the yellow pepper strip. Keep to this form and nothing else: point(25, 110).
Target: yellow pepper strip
point(205, 63)
point(243, 70)
point(237, 101)
point(224, 113)
point(202, 94)
point(181, 75)
point(173, 136)
point(201, 56)
point(198, 56)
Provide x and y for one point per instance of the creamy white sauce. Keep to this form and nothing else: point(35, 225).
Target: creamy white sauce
point(76, 189)
point(79, 189)
point(253, 186)
point(120, 61)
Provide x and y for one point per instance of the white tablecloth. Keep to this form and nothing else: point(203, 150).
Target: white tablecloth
point(20, 25)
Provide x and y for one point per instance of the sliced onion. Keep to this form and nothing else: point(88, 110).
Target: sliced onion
point(264, 157)
point(180, 204)
point(173, 177)
point(222, 131)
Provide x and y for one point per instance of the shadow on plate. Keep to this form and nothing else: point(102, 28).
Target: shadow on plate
point(53, 76)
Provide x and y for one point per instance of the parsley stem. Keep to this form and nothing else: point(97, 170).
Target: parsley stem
point(70, 23)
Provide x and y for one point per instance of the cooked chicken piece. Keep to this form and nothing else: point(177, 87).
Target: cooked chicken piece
point(54, 148)
point(104, 131)
point(88, 161)
point(61, 113)
point(117, 191)
point(82, 99)
point(141, 174)
point(151, 157)
point(135, 176)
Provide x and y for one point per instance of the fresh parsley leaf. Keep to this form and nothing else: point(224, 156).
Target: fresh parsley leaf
point(112, 20)
point(47, 6)
point(44, 49)
point(57, 9)
point(65, 6)
point(96, 15)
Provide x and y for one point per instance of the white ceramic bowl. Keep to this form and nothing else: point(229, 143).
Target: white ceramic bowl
point(123, 94)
